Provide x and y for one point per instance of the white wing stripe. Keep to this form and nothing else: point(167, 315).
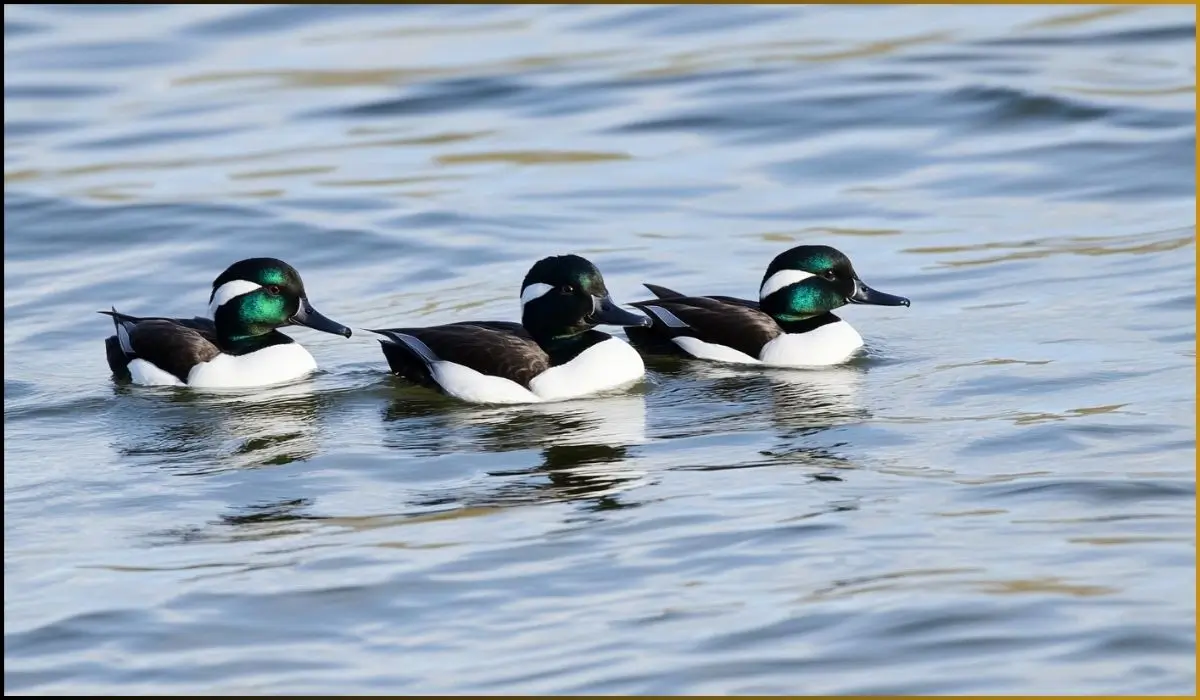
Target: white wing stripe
point(667, 317)
point(123, 338)
point(416, 346)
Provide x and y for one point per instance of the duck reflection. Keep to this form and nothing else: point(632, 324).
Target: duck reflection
point(197, 432)
point(586, 446)
point(794, 405)
point(790, 398)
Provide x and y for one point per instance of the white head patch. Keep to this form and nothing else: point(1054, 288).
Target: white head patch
point(781, 279)
point(534, 291)
point(227, 291)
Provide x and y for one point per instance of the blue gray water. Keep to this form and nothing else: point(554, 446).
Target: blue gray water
point(1000, 497)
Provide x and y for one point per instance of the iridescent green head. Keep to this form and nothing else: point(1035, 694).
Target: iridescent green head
point(255, 296)
point(564, 296)
point(811, 280)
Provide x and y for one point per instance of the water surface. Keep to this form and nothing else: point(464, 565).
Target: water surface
point(999, 497)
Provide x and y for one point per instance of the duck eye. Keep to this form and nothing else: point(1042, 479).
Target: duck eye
point(830, 275)
point(567, 289)
point(273, 290)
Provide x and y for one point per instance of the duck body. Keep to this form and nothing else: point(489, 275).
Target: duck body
point(554, 354)
point(238, 347)
point(791, 325)
point(733, 330)
point(185, 352)
point(499, 362)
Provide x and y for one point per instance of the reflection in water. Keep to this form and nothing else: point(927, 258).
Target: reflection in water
point(427, 424)
point(585, 445)
point(807, 399)
point(586, 450)
point(792, 405)
point(202, 432)
point(1008, 167)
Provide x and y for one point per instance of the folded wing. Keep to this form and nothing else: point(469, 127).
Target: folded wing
point(493, 348)
point(733, 323)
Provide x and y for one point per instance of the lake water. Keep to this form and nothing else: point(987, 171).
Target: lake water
point(999, 497)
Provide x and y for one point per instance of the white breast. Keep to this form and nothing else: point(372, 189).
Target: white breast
point(830, 344)
point(271, 365)
point(606, 365)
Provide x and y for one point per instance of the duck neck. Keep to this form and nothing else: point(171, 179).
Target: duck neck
point(234, 344)
point(235, 339)
point(793, 327)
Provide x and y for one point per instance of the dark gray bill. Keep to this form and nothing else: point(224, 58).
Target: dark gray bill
point(306, 315)
point(607, 313)
point(865, 295)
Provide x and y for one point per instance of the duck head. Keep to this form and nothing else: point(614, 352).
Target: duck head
point(564, 296)
point(255, 296)
point(811, 280)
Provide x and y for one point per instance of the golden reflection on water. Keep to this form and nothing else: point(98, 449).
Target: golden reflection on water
point(1078, 18)
point(530, 157)
point(1075, 245)
point(952, 579)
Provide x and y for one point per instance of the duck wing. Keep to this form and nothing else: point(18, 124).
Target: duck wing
point(172, 344)
point(493, 348)
point(728, 321)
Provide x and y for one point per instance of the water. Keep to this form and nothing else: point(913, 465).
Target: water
point(999, 498)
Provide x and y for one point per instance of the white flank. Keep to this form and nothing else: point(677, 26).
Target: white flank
point(148, 374)
point(462, 382)
point(667, 317)
point(606, 365)
point(271, 365)
point(781, 279)
point(467, 384)
point(830, 344)
point(712, 351)
point(534, 291)
point(229, 290)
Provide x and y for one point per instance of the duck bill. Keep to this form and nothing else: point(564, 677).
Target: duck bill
point(306, 315)
point(605, 312)
point(865, 295)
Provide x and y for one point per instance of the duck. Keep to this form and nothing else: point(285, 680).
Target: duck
point(553, 354)
point(238, 345)
point(791, 325)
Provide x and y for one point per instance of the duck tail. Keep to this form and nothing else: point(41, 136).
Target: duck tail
point(116, 316)
point(122, 334)
point(661, 292)
point(388, 336)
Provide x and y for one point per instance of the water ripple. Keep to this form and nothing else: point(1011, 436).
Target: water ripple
point(972, 506)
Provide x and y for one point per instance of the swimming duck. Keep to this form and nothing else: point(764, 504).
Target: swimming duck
point(791, 324)
point(554, 353)
point(238, 346)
